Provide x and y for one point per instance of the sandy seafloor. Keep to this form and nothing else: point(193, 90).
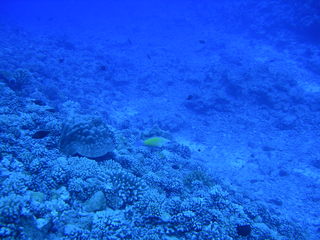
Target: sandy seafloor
point(241, 114)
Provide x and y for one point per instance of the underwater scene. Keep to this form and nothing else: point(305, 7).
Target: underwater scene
point(160, 120)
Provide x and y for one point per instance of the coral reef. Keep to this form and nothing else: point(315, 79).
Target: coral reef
point(73, 197)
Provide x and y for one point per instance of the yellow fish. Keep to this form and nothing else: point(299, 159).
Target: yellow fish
point(156, 141)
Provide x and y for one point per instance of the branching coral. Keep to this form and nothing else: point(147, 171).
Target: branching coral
point(125, 189)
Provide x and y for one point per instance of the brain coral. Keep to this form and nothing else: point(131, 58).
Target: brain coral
point(87, 136)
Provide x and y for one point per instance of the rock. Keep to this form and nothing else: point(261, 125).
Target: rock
point(96, 203)
point(63, 193)
point(71, 229)
point(288, 122)
point(41, 223)
point(37, 196)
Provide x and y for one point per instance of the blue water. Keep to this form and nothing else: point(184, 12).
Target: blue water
point(160, 120)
